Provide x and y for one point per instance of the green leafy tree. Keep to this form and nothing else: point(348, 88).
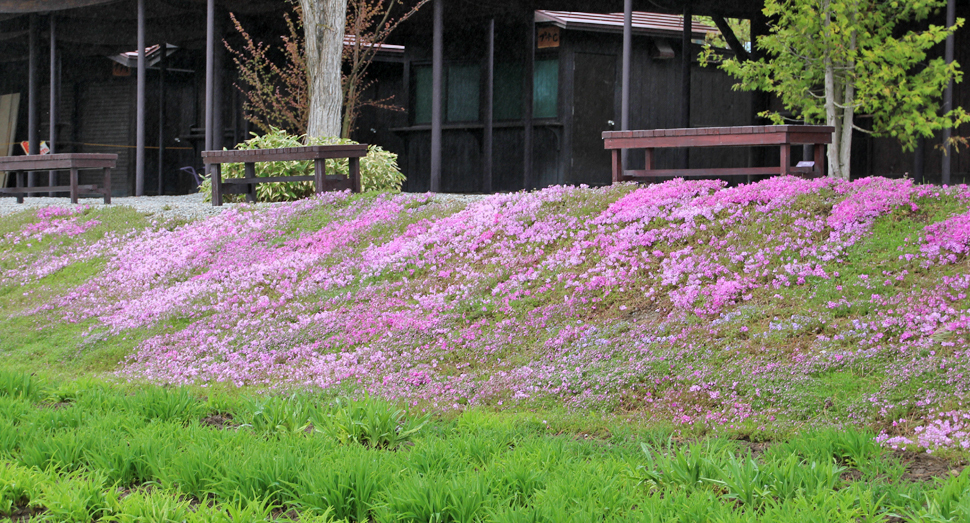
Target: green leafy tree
point(832, 61)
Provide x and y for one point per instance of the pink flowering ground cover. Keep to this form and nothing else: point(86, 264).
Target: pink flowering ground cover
point(758, 309)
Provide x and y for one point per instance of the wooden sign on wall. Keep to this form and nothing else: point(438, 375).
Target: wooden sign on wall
point(548, 37)
point(120, 70)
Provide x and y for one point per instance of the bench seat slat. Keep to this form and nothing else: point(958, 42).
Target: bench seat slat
point(47, 189)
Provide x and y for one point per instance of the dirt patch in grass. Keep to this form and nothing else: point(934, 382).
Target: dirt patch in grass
point(26, 513)
point(221, 420)
point(926, 467)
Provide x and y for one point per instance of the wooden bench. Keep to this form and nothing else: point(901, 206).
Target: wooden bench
point(319, 154)
point(783, 136)
point(72, 162)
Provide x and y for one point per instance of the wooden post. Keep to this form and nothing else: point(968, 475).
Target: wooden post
point(210, 58)
point(353, 170)
point(437, 94)
point(217, 185)
point(74, 188)
point(685, 76)
point(785, 158)
point(33, 94)
point(488, 138)
point(107, 185)
point(162, 69)
point(52, 122)
point(320, 174)
point(626, 79)
point(948, 94)
point(527, 109)
point(140, 105)
point(250, 169)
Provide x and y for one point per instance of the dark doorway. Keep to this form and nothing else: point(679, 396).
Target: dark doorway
point(594, 80)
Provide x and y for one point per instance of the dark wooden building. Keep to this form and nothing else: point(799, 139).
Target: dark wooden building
point(497, 95)
point(576, 94)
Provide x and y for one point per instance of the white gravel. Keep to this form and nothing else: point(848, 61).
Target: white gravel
point(188, 206)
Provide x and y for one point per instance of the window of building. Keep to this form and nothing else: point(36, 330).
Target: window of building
point(463, 91)
point(545, 93)
point(464, 84)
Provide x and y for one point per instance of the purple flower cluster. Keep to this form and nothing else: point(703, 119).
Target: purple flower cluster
point(689, 301)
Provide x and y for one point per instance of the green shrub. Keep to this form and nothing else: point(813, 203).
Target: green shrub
point(378, 170)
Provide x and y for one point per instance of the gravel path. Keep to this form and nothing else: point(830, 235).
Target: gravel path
point(188, 206)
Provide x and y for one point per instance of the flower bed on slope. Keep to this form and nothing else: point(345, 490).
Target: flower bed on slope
point(764, 307)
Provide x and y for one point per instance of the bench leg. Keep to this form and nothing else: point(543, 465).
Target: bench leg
point(649, 162)
point(819, 160)
point(74, 190)
point(217, 185)
point(785, 159)
point(319, 175)
point(354, 171)
point(617, 166)
point(21, 182)
point(107, 186)
point(250, 169)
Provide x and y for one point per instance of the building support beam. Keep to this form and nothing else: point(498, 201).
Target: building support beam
point(951, 15)
point(732, 40)
point(52, 122)
point(162, 70)
point(528, 104)
point(685, 65)
point(437, 93)
point(626, 74)
point(140, 105)
point(210, 74)
point(33, 94)
point(488, 138)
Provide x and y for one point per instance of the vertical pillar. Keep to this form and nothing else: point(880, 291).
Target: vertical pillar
point(162, 69)
point(626, 79)
point(218, 90)
point(488, 139)
point(33, 93)
point(437, 94)
point(759, 99)
point(140, 106)
point(210, 48)
point(948, 94)
point(52, 122)
point(685, 64)
point(919, 160)
point(528, 103)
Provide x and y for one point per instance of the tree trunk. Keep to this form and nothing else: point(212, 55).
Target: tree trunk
point(832, 100)
point(323, 22)
point(848, 115)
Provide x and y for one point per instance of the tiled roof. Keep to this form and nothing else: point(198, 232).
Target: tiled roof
point(643, 23)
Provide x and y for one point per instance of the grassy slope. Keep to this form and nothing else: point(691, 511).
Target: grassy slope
point(466, 321)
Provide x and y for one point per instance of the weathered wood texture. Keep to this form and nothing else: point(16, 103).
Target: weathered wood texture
point(783, 136)
point(317, 153)
point(72, 162)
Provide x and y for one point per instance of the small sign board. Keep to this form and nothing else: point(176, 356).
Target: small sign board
point(548, 37)
point(44, 149)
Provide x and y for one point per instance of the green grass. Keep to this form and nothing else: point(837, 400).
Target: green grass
point(83, 451)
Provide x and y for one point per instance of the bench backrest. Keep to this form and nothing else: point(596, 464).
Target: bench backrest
point(286, 154)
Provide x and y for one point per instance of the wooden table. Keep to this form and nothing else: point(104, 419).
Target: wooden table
point(783, 136)
point(72, 162)
point(318, 153)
